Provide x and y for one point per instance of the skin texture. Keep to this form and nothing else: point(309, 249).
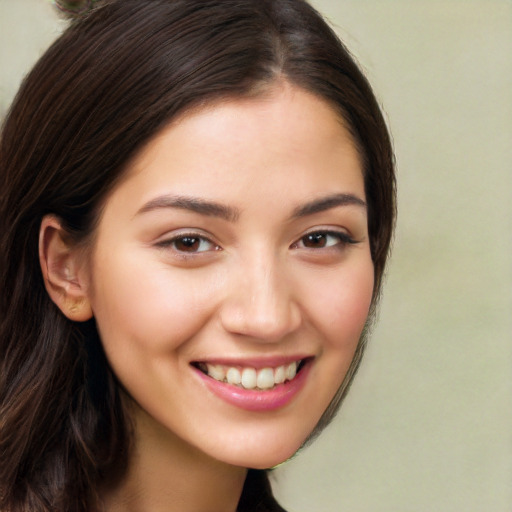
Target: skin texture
point(251, 288)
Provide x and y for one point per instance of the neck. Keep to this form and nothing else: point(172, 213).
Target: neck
point(166, 474)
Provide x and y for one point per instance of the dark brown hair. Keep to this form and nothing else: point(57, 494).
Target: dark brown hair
point(111, 82)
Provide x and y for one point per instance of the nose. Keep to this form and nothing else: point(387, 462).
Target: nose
point(260, 304)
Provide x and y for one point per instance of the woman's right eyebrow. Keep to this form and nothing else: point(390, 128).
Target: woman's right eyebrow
point(194, 204)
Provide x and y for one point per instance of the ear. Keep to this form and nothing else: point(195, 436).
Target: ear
point(64, 274)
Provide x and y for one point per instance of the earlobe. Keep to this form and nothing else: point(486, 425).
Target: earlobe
point(63, 272)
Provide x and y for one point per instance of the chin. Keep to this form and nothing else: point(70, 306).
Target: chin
point(264, 455)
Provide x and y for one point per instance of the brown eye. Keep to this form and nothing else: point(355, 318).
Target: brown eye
point(324, 240)
point(187, 244)
point(315, 240)
point(191, 244)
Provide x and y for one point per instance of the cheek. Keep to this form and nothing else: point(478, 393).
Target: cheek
point(148, 307)
point(341, 309)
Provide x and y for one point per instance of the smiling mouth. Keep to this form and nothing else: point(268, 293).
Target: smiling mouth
point(262, 379)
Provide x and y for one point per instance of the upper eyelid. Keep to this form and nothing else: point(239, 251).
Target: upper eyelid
point(167, 240)
point(345, 237)
point(166, 243)
point(329, 231)
point(184, 232)
point(325, 229)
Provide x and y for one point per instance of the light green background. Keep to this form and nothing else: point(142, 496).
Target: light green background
point(428, 424)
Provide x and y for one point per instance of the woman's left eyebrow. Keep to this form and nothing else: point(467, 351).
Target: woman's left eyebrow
point(326, 203)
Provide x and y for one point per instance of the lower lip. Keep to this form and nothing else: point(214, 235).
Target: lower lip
point(256, 400)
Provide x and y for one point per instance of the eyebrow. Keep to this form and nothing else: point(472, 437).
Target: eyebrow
point(326, 203)
point(194, 204)
point(232, 214)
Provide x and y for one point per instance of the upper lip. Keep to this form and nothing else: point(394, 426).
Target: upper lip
point(254, 362)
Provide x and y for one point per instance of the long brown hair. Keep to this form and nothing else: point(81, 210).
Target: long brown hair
point(113, 80)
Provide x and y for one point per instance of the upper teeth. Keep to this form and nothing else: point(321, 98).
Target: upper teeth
point(250, 378)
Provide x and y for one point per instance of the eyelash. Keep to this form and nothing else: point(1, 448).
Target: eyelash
point(171, 243)
point(343, 239)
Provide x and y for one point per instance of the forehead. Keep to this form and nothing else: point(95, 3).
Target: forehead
point(264, 141)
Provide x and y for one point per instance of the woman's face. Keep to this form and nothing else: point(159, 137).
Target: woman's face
point(236, 249)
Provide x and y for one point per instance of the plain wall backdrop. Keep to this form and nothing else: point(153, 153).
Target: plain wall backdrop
point(427, 425)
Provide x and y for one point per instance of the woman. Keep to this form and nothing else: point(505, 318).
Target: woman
point(196, 211)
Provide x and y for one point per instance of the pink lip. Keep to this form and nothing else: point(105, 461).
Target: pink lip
point(257, 362)
point(255, 400)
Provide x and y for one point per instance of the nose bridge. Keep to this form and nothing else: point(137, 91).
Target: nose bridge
point(265, 290)
point(261, 304)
